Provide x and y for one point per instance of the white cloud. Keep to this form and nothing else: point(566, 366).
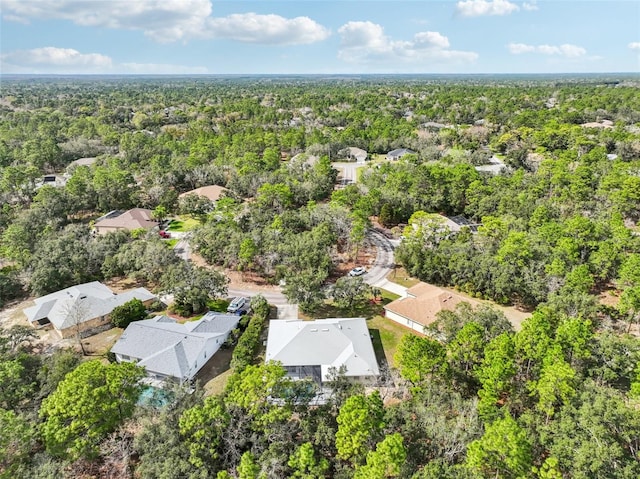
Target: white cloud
point(431, 39)
point(268, 29)
point(69, 61)
point(530, 6)
point(634, 46)
point(54, 60)
point(477, 8)
point(519, 48)
point(366, 43)
point(565, 50)
point(169, 20)
point(162, 20)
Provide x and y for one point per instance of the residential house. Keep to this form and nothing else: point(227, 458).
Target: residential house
point(398, 153)
point(311, 349)
point(357, 154)
point(456, 223)
point(421, 305)
point(494, 167)
point(136, 218)
point(82, 162)
point(171, 350)
point(57, 181)
point(83, 309)
point(212, 192)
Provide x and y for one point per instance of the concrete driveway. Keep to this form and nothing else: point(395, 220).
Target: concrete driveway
point(383, 265)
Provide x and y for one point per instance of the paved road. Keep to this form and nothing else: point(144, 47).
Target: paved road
point(376, 276)
point(384, 264)
point(182, 249)
point(347, 171)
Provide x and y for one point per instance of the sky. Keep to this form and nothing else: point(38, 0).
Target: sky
point(318, 36)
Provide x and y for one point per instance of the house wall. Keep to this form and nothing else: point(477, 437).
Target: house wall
point(85, 327)
point(206, 354)
point(103, 230)
point(93, 326)
point(417, 327)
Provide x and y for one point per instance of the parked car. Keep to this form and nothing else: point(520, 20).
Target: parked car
point(164, 234)
point(238, 305)
point(357, 271)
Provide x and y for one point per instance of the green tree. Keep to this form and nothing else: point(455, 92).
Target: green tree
point(305, 288)
point(248, 468)
point(192, 287)
point(495, 374)
point(54, 369)
point(349, 293)
point(131, 311)
point(305, 465)
point(385, 461)
point(420, 359)
point(202, 428)
point(15, 384)
point(89, 403)
point(502, 452)
point(16, 442)
point(360, 422)
point(556, 384)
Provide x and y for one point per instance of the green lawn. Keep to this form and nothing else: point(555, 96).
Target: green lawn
point(400, 276)
point(219, 305)
point(386, 337)
point(216, 386)
point(184, 223)
point(171, 243)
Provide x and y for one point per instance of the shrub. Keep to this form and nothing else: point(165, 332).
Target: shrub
point(133, 310)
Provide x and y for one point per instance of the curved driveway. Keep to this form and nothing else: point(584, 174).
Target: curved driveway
point(383, 264)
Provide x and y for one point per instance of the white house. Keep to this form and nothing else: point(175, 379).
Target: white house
point(171, 350)
point(83, 308)
point(398, 153)
point(310, 349)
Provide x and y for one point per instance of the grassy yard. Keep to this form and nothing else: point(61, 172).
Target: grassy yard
point(216, 386)
point(219, 305)
point(183, 224)
point(400, 276)
point(386, 337)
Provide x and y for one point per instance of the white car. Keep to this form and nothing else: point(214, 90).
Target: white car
point(238, 305)
point(357, 271)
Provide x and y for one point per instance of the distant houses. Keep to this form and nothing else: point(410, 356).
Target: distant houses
point(494, 167)
point(313, 349)
point(136, 218)
point(357, 154)
point(212, 192)
point(398, 153)
point(84, 308)
point(171, 350)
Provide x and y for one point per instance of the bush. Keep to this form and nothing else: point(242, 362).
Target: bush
point(248, 343)
point(133, 310)
point(156, 306)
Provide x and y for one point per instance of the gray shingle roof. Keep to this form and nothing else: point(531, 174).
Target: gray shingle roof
point(167, 347)
point(81, 303)
point(325, 342)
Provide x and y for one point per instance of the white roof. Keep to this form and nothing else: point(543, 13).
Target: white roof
point(81, 303)
point(324, 342)
point(167, 347)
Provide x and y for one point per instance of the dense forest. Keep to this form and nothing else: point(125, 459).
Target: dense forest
point(554, 233)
